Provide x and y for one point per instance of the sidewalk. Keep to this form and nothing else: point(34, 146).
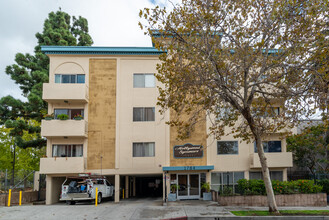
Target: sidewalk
point(148, 208)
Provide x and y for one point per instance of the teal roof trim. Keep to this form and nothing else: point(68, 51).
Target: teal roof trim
point(84, 50)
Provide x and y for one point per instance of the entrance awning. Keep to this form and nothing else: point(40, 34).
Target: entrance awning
point(211, 167)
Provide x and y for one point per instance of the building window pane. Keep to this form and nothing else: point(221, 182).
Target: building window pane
point(138, 114)
point(144, 80)
point(238, 176)
point(73, 77)
point(67, 150)
point(139, 81)
point(219, 180)
point(57, 78)
point(146, 149)
point(270, 146)
point(276, 175)
point(144, 114)
point(255, 175)
point(60, 111)
point(149, 114)
point(227, 147)
point(80, 78)
point(149, 81)
point(66, 78)
point(69, 78)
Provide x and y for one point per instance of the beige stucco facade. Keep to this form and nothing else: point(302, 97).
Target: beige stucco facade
point(107, 132)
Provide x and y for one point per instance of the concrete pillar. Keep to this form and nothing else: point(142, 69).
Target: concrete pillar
point(166, 181)
point(126, 187)
point(36, 179)
point(48, 190)
point(285, 174)
point(134, 186)
point(117, 188)
point(208, 177)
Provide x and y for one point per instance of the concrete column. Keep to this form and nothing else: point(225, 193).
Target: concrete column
point(117, 188)
point(134, 186)
point(208, 177)
point(285, 174)
point(127, 187)
point(48, 190)
point(36, 180)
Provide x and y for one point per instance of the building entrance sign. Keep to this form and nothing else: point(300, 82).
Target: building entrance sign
point(188, 150)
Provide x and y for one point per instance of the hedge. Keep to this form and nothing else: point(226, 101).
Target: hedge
point(257, 187)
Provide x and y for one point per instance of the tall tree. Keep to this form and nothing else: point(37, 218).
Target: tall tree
point(31, 71)
point(310, 148)
point(235, 61)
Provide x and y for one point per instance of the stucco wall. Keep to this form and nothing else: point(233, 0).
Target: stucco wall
point(102, 114)
point(197, 137)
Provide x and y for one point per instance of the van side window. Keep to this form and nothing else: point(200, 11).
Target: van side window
point(100, 182)
point(107, 183)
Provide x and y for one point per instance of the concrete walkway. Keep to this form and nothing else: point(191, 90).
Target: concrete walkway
point(131, 209)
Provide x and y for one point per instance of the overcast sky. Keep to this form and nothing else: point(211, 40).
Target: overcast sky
point(111, 23)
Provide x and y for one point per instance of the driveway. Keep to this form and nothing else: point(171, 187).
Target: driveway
point(148, 208)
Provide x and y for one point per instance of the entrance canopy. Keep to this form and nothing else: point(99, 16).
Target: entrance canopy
point(177, 168)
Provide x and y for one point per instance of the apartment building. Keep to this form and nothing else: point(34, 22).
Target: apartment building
point(114, 128)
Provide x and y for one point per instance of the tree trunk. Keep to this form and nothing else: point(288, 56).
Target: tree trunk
point(266, 177)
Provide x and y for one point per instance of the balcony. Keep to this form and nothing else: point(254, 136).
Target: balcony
point(61, 165)
point(54, 92)
point(274, 160)
point(61, 128)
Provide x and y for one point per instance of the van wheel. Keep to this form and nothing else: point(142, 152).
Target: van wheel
point(99, 198)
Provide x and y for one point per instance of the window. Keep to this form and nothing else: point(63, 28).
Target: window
point(70, 112)
point(144, 80)
point(67, 150)
point(226, 179)
point(270, 146)
point(227, 147)
point(267, 112)
point(144, 114)
point(275, 175)
point(69, 78)
point(145, 149)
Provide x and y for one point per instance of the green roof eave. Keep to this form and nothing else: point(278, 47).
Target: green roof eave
point(87, 50)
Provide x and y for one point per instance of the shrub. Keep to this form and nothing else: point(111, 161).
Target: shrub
point(325, 185)
point(257, 187)
point(206, 187)
point(62, 116)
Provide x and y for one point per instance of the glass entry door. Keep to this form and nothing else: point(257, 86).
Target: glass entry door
point(188, 186)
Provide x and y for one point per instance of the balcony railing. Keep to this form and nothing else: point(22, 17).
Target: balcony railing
point(54, 92)
point(279, 160)
point(62, 128)
point(62, 165)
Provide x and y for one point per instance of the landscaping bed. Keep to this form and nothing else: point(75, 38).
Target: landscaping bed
point(283, 213)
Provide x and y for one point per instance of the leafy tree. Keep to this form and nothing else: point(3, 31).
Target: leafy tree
point(26, 160)
point(31, 71)
point(311, 148)
point(234, 61)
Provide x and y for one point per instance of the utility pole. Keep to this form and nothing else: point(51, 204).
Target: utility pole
point(13, 173)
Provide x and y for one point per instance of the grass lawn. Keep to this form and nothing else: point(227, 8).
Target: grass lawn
point(282, 212)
